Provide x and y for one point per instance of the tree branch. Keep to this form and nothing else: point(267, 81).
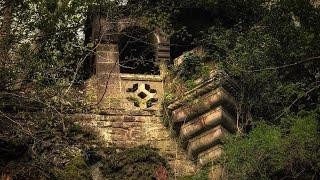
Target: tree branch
point(289, 65)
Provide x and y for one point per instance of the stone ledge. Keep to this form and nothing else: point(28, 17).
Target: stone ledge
point(210, 155)
point(116, 112)
point(141, 77)
point(205, 141)
point(203, 88)
point(205, 103)
point(217, 116)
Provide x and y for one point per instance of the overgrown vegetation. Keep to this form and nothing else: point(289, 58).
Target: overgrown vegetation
point(192, 70)
point(137, 163)
point(269, 49)
point(289, 150)
point(202, 174)
point(48, 150)
point(44, 62)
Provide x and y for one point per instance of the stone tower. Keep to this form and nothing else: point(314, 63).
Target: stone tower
point(130, 94)
point(135, 91)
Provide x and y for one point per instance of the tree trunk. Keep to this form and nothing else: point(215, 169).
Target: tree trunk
point(5, 30)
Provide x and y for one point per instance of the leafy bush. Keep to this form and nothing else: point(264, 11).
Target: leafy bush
point(202, 174)
point(273, 152)
point(192, 68)
point(77, 169)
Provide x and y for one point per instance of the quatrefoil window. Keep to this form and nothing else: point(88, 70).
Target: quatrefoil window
point(143, 95)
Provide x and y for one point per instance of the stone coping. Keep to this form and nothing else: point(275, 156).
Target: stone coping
point(210, 155)
point(141, 77)
point(217, 116)
point(218, 97)
point(205, 141)
point(202, 89)
point(116, 112)
point(130, 112)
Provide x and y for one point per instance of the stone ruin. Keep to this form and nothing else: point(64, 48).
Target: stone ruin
point(130, 102)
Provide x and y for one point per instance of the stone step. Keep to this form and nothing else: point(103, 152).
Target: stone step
point(210, 155)
point(164, 48)
point(216, 116)
point(163, 54)
point(205, 141)
point(218, 97)
point(164, 59)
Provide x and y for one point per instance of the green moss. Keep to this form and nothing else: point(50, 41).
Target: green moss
point(190, 84)
point(166, 121)
point(169, 97)
point(75, 169)
point(135, 163)
point(202, 174)
point(135, 100)
point(193, 70)
point(75, 128)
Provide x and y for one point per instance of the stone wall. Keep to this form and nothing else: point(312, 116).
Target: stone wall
point(124, 123)
point(140, 128)
point(129, 106)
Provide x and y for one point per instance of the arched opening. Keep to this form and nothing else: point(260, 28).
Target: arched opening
point(137, 51)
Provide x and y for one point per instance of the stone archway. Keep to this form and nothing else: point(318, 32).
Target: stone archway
point(137, 51)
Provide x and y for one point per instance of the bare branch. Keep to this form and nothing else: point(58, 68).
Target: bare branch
point(289, 65)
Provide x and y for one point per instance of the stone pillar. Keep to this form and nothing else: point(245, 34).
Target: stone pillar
point(163, 56)
point(108, 75)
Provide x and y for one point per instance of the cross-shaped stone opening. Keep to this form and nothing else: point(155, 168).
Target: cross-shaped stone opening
point(142, 95)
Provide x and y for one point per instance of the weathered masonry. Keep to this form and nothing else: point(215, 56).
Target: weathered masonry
point(128, 86)
point(130, 65)
point(202, 117)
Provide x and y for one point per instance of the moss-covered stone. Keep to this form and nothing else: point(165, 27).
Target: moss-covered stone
point(76, 169)
point(140, 162)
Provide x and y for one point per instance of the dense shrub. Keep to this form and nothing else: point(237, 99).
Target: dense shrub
point(272, 152)
point(141, 162)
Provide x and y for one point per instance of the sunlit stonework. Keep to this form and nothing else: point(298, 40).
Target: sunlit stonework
point(143, 95)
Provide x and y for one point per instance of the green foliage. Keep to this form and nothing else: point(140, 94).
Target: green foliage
point(265, 47)
point(135, 163)
point(202, 174)
point(169, 97)
point(135, 100)
point(251, 56)
point(189, 67)
point(192, 69)
point(270, 152)
point(76, 169)
point(57, 154)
